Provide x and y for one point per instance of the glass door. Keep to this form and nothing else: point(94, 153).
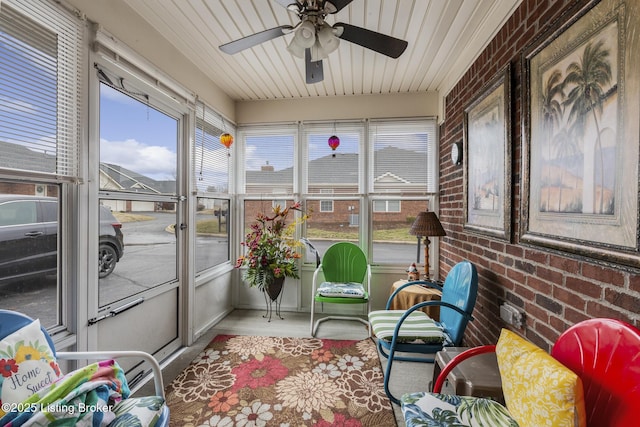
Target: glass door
point(139, 211)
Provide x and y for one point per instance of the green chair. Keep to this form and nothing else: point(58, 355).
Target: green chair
point(347, 277)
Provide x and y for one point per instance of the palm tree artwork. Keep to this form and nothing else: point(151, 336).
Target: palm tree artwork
point(553, 97)
point(574, 96)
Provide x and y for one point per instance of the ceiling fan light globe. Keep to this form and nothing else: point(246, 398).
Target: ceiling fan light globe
point(295, 49)
point(329, 8)
point(318, 53)
point(305, 35)
point(328, 40)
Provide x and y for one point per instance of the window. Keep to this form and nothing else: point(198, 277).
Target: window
point(212, 232)
point(403, 156)
point(403, 176)
point(29, 249)
point(211, 165)
point(326, 205)
point(39, 82)
point(138, 164)
point(390, 164)
point(40, 122)
point(386, 206)
point(269, 159)
point(336, 171)
point(211, 160)
point(339, 224)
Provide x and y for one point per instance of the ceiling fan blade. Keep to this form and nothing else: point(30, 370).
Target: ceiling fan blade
point(285, 3)
point(313, 69)
point(338, 4)
point(255, 39)
point(378, 42)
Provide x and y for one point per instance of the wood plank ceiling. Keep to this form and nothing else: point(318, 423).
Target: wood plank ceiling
point(444, 36)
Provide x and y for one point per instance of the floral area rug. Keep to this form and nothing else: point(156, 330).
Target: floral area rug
point(268, 381)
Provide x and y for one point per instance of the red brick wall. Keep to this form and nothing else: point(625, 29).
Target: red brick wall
point(554, 291)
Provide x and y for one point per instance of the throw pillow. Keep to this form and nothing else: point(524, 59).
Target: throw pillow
point(27, 364)
point(538, 390)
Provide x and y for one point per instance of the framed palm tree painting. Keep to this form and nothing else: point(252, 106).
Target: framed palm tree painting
point(581, 134)
point(487, 163)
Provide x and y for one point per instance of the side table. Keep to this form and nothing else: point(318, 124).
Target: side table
point(478, 376)
point(412, 295)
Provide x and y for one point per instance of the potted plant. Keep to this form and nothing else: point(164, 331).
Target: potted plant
point(271, 250)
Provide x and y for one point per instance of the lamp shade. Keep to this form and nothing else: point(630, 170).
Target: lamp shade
point(427, 224)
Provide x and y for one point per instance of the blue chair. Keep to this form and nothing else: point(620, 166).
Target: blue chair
point(11, 322)
point(412, 331)
point(347, 277)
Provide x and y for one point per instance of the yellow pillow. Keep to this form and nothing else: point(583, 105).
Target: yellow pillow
point(538, 390)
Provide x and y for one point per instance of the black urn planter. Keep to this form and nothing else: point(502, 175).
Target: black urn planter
point(273, 294)
point(274, 289)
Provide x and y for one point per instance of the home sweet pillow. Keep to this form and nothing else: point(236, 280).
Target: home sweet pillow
point(27, 364)
point(538, 390)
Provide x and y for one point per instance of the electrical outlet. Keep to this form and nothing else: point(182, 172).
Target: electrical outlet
point(511, 315)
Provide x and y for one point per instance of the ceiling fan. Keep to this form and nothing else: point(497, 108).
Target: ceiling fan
point(314, 39)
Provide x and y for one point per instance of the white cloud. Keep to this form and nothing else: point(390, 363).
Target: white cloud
point(150, 160)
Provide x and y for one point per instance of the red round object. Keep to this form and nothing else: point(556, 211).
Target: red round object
point(333, 142)
point(604, 354)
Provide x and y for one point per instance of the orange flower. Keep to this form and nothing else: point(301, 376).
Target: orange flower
point(322, 355)
point(223, 401)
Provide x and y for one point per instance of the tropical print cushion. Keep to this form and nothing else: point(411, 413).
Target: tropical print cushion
point(417, 327)
point(538, 390)
point(138, 411)
point(441, 410)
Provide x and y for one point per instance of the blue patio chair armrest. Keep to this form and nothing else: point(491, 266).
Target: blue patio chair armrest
point(434, 303)
point(412, 283)
point(105, 355)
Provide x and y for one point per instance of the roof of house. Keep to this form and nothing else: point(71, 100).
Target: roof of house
point(391, 164)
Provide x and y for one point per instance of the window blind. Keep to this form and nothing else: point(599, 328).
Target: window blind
point(40, 77)
point(337, 170)
point(403, 156)
point(211, 160)
point(269, 159)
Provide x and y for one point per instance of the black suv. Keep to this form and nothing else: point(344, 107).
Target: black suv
point(29, 241)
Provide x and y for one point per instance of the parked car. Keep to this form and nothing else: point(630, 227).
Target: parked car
point(111, 246)
point(29, 238)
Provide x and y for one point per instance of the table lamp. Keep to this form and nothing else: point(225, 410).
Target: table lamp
point(426, 224)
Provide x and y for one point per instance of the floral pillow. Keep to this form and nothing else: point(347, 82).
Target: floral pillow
point(27, 364)
point(538, 390)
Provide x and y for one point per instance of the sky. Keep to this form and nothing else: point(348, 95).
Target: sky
point(136, 136)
